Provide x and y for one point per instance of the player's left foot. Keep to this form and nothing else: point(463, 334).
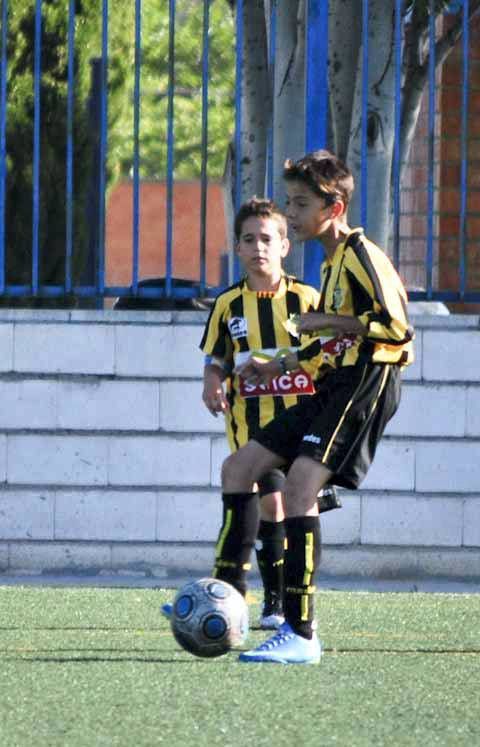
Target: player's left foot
point(285, 647)
point(271, 622)
point(272, 612)
point(166, 610)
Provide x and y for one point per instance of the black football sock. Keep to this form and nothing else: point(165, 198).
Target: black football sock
point(270, 548)
point(236, 538)
point(302, 557)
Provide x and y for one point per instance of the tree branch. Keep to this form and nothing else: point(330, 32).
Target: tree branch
point(445, 44)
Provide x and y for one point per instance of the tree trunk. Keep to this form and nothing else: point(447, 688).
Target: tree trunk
point(256, 100)
point(289, 104)
point(381, 107)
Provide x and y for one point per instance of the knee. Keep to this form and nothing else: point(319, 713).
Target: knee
point(233, 468)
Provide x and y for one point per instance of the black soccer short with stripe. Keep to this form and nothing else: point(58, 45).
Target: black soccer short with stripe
point(339, 426)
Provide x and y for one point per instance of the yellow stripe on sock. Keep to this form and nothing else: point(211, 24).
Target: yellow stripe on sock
point(308, 559)
point(304, 608)
point(223, 534)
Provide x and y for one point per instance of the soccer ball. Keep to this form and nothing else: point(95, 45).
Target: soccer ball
point(209, 617)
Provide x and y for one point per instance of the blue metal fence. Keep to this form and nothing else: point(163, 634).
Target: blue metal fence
point(316, 135)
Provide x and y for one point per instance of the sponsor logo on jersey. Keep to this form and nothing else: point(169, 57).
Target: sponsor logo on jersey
point(237, 327)
point(296, 383)
point(337, 298)
point(337, 345)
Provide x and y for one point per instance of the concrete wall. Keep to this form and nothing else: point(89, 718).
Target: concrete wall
point(110, 463)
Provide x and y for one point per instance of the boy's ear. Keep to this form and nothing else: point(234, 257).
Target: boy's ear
point(338, 209)
point(285, 247)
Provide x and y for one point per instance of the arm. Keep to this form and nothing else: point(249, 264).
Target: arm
point(213, 394)
point(260, 371)
point(214, 345)
point(332, 325)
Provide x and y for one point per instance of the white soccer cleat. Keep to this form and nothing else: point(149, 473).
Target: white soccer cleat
point(285, 647)
point(271, 622)
point(166, 610)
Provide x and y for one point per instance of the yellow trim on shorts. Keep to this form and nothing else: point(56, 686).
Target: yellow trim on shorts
point(382, 387)
point(340, 422)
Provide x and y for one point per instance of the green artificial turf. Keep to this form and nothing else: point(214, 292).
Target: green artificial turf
point(87, 667)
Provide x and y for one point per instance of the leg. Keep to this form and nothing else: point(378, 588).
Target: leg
point(302, 556)
point(270, 547)
point(238, 533)
point(296, 642)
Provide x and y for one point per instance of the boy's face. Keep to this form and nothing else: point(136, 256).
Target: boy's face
point(308, 215)
point(261, 246)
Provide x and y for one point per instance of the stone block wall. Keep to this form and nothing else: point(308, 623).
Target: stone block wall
point(110, 463)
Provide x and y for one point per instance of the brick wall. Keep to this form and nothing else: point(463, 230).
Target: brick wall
point(109, 462)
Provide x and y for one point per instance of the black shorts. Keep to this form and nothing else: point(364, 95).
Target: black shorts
point(341, 425)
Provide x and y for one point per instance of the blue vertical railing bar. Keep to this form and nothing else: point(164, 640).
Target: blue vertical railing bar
point(69, 176)
point(238, 121)
point(431, 148)
point(37, 74)
point(316, 103)
point(103, 155)
point(364, 144)
point(204, 167)
point(396, 142)
point(136, 143)
point(271, 66)
point(3, 141)
point(170, 144)
point(464, 149)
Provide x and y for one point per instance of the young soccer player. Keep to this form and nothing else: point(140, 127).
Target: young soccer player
point(248, 318)
point(364, 340)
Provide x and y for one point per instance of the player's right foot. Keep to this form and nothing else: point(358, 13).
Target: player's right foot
point(166, 610)
point(285, 647)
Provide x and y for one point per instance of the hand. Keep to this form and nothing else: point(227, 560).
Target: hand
point(214, 398)
point(258, 371)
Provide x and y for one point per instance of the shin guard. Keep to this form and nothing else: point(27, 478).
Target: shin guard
point(270, 548)
point(236, 538)
point(302, 557)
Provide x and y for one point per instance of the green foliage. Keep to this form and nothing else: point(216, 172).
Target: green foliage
point(153, 114)
point(53, 142)
point(188, 91)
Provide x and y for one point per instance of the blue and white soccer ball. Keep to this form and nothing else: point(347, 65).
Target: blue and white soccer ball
point(209, 617)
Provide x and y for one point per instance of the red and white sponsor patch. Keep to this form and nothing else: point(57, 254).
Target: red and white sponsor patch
point(298, 382)
point(337, 345)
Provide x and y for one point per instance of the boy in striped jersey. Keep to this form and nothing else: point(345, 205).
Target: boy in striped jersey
point(249, 319)
point(363, 339)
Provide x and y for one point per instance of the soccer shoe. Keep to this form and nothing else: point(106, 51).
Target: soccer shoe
point(328, 499)
point(166, 610)
point(272, 612)
point(285, 647)
point(271, 621)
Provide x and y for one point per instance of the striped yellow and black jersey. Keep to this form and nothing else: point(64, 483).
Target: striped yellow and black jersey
point(359, 280)
point(243, 322)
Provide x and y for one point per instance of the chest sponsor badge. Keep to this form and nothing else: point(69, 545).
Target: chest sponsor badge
point(238, 327)
point(298, 382)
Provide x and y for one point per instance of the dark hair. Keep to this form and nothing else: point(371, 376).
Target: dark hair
point(259, 207)
point(324, 173)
